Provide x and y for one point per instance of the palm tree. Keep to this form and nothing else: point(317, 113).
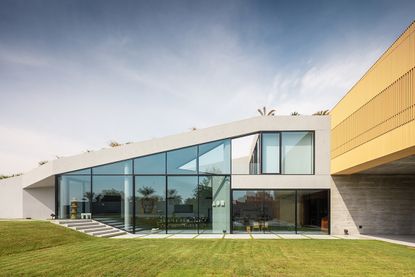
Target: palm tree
point(147, 201)
point(295, 113)
point(323, 112)
point(263, 112)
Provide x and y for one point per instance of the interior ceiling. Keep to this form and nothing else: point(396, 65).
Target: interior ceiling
point(402, 166)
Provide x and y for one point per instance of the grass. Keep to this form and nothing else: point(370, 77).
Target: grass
point(36, 248)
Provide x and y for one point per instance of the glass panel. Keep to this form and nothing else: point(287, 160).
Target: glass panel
point(214, 204)
point(279, 211)
point(258, 211)
point(182, 210)
point(245, 155)
point(182, 161)
point(154, 164)
point(80, 172)
point(113, 200)
point(124, 167)
point(313, 211)
point(297, 153)
point(246, 210)
point(74, 196)
point(214, 157)
point(271, 153)
point(150, 204)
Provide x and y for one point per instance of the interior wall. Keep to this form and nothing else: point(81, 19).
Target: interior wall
point(373, 204)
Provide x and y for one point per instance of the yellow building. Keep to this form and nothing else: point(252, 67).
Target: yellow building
point(374, 122)
point(373, 147)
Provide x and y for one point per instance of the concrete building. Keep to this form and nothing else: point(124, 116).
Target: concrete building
point(350, 171)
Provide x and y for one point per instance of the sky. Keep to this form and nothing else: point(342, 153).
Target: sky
point(75, 75)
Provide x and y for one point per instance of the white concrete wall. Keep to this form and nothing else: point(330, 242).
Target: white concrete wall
point(39, 203)
point(381, 204)
point(11, 203)
point(321, 124)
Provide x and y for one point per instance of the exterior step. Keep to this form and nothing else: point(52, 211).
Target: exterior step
point(106, 232)
point(93, 227)
point(74, 221)
point(112, 234)
point(82, 228)
point(102, 228)
point(82, 224)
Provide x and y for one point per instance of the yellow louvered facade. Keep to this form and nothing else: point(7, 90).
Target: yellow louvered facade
point(374, 123)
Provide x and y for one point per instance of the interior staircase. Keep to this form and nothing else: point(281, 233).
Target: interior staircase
point(91, 227)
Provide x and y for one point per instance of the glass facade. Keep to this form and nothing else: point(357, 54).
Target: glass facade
point(280, 211)
point(112, 200)
point(188, 190)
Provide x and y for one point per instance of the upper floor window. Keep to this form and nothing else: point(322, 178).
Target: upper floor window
point(297, 153)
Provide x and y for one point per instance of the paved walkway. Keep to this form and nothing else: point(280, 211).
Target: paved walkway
point(236, 236)
point(407, 240)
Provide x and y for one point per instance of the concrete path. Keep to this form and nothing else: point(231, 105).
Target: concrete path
point(237, 236)
point(407, 240)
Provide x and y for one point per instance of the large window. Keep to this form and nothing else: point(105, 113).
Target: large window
point(112, 200)
point(271, 153)
point(124, 167)
point(313, 211)
point(150, 205)
point(214, 157)
point(182, 161)
point(74, 196)
point(214, 204)
point(297, 153)
point(153, 164)
point(182, 208)
point(245, 154)
point(260, 211)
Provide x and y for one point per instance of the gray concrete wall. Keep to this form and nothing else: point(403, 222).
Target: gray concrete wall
point(39, 203)
point(381, 204)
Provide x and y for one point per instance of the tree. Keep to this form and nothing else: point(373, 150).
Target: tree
point(148, 200)
point(323, 112)
point(263, 112)
point(295, 113)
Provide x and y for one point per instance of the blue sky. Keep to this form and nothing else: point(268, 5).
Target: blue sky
point(76, 74)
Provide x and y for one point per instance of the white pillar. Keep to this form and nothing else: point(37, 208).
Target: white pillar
point(127, 189)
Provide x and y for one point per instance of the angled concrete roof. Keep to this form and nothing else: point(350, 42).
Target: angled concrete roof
point(43, 175)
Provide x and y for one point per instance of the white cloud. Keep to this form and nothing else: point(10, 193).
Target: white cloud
point(22, 149)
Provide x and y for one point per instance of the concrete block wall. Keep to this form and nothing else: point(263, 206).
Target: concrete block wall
point(380, 204)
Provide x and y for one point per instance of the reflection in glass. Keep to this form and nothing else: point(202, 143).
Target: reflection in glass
point(271, 153)
point(74, 191)
point(313, 211)
point(214, 204)
point(278, 211)
point(214, 157)
point(245, 155)
point(182, 161)
point(124, 167)
point(150, 204)
point(246, 210)
point(153, 164)
point(297, 153)
point(182, 208)
point(113, 200)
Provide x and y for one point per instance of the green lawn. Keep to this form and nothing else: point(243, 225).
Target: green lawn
point(36, 248)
